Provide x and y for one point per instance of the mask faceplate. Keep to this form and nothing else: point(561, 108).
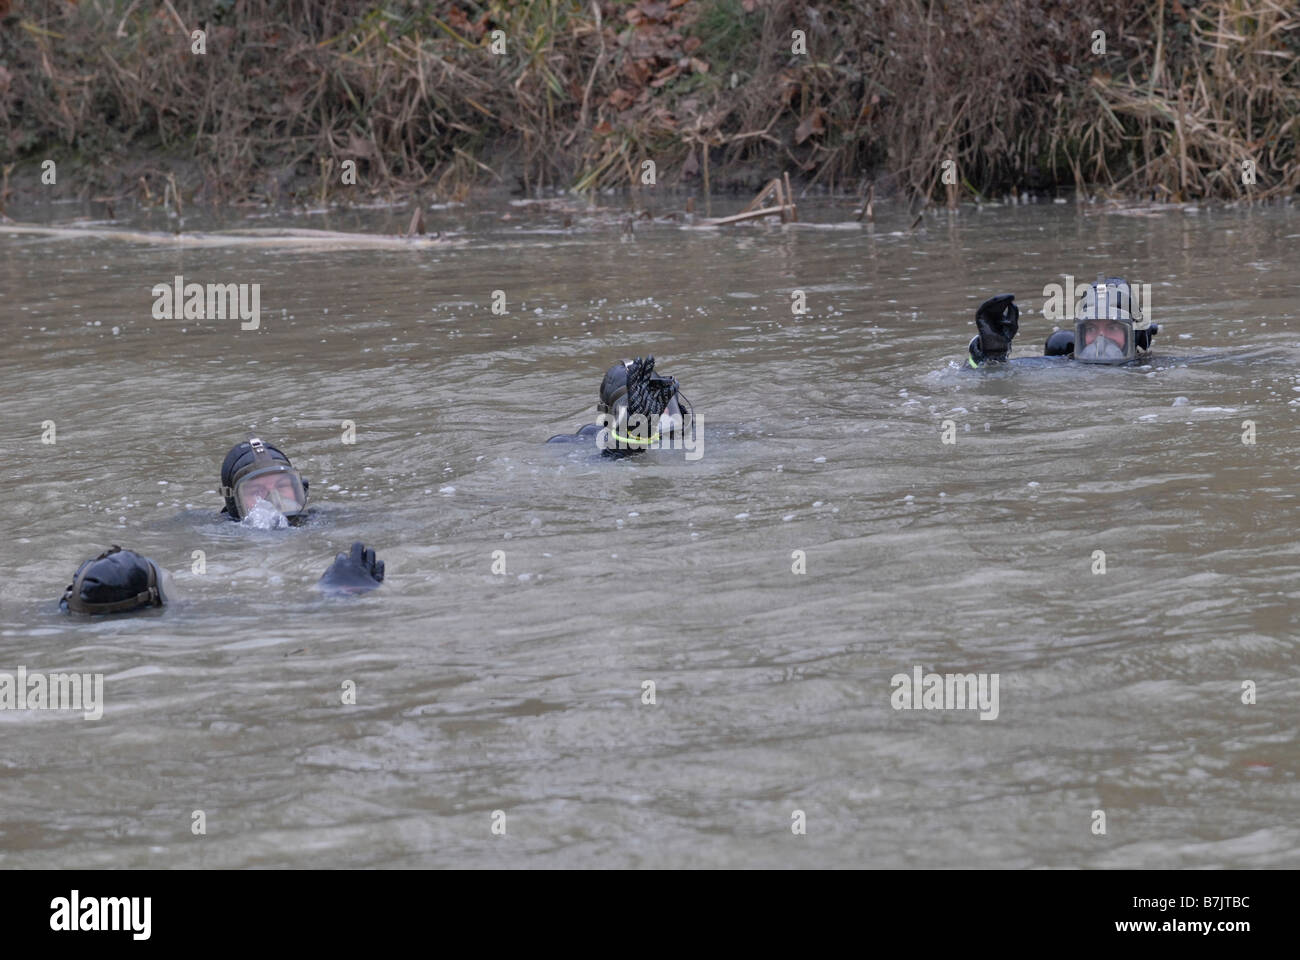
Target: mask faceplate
point(1104, 341)
point(277, 484)
point(1103, 331)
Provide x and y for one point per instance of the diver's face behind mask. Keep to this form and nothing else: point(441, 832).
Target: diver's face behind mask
point(1103, 341)
point(279, 485)
point(1103, 331)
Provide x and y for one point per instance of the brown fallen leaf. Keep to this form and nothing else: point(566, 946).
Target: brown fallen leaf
point(663, 119)
point(812, 125)
point(652, 9)
point(359, 148)
point(457, 20)
point(638, 72)
point(621, 99)
point(663, 76)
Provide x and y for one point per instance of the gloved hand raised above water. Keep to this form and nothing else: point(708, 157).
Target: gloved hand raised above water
point(354, 572)
point(998, 320)
point(648, 393)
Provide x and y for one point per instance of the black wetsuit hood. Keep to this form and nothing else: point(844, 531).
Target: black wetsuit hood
point(114, 582)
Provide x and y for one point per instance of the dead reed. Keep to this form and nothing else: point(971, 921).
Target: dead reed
point(1185, 94)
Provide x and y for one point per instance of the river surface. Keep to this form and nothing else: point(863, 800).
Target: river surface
point(515, 698)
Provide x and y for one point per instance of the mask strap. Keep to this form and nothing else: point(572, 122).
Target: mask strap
point(72, 595)
point(619, 394)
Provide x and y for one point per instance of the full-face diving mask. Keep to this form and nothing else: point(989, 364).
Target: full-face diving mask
point(268, 479)
point(1106, 327)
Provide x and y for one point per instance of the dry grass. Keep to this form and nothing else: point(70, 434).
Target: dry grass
point(708, 89)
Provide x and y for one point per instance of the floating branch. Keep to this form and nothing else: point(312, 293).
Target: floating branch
point(784, 207)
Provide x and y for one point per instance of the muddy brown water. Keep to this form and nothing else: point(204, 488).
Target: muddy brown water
point(521, 691)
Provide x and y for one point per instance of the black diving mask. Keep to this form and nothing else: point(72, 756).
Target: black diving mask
point(130, 582)
point(270, 480)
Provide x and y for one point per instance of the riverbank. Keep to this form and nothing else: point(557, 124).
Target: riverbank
point(259, 102)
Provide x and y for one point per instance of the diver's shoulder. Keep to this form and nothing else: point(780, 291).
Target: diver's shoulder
point(1015, 362)
point(584, 433)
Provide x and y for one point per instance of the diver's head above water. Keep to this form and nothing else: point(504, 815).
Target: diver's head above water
point(1107, 324)
point(638, 406)
point(258, 477)
point(116, 581)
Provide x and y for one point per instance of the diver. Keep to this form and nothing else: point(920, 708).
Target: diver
point(1108, 328)
point(638, 409)
point(258, 480)
point(121, 581)
point(116, 581)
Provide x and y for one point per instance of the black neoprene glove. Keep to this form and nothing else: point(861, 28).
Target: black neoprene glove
point(354, 572)
point(998, 319)
point(647, 393)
